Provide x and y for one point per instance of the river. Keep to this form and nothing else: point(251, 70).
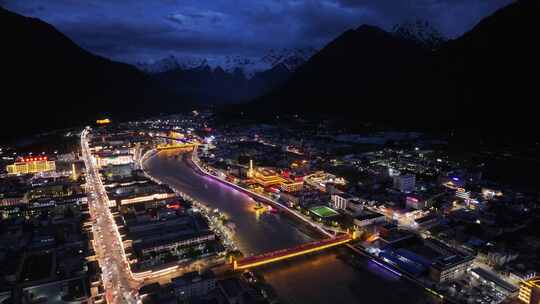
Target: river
point(319, 278)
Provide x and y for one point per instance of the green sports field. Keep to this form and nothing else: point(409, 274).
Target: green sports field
point(323, 211)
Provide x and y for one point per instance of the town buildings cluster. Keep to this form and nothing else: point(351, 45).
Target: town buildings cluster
point(419, 210)
point(46, 251)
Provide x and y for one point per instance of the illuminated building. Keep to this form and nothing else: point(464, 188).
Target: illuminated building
point(489, 193)
point(11, 201)
point(171, 241)
point(405, 260)
point(103, 121)
point(104, 159)
point(451, 265)
point(146, 198)
point(340, 200)
point(268, 178)
point(170, 233)
point(138, 191)
point(31, 165)
point(529, 291)
point(449, 271)
point(300, 166)
point(250, 171)
point(118, 172)
point(21, 207)
point(405, 183)
point(462, 193)
point(74, 175)
point(393, 172)
point(292, 186)
point(415, 202)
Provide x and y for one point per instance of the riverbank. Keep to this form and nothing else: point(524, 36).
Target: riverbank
point(192, 161)
point(213, 218)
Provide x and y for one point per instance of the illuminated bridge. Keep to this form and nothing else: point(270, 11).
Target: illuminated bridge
point(177, 145)
point(278, 255)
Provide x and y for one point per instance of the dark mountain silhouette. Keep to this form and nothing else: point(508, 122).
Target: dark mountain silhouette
point(365, 71)
point(50, 82)
point(484, 79)
point(265, 81)
point(206, 85)
point(493, 67)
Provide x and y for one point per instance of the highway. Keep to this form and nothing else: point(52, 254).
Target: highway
point(117, 278)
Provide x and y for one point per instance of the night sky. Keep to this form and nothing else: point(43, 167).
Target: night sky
point(140, 30)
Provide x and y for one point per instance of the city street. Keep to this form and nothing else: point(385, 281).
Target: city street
point(117, 278)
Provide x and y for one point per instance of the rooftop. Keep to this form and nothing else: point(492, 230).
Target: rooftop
point(493, 278)
point(189, 278)
point(366, 215)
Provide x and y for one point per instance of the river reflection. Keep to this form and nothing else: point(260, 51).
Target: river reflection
point(319, 278)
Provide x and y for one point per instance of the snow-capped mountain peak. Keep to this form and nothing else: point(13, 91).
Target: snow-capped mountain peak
point(420, 31)
point(290, 58)
point(171, 62)
point(161, 65)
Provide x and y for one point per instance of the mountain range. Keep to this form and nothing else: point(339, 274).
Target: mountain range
point(225, 79)
point(170, 63)
point(483, 80)
point(408, 77)
point(290, 58)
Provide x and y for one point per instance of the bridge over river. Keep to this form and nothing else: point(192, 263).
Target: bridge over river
point(283, 254)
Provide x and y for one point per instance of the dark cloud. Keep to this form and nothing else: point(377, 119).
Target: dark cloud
point(322, 21)
point(452, 17)
point(137, 30)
